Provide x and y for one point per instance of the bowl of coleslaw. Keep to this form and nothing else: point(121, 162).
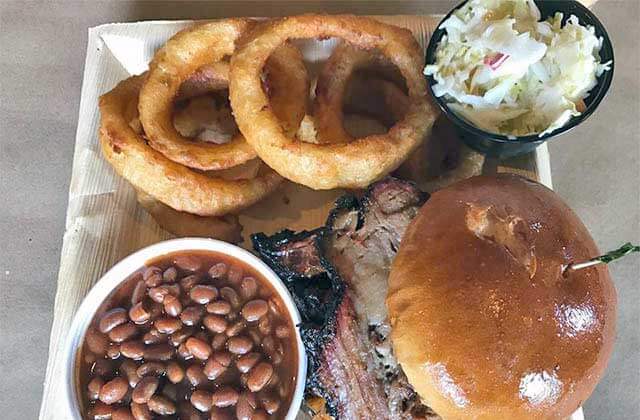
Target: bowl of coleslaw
point(511, 74)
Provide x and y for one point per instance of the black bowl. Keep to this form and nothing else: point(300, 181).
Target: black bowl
point(501, 146)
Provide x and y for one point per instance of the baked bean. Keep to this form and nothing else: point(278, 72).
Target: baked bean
point(189, 281)
point(277, 355)
point(259, 376)
point(161, 405)
point(199, 348)
point(234, 275)
point(94, 388)
point(129, 368)
point(132, 349)
point(96, 342)
point(270, 404)
point(223, 357)
point(218, 342)
point(235, 329)
point(218, 270)
point(112, 319)
point(274, 307)
point(114, 390)
point(260, 415)
point(269, 345)
point(150, 369)
point(247, 362)
point(248, 288)
point(239, 345)
point(187, 262)
point(264, 325)
point(183, 352)
point(219, 307)
point(123, 332)
point(152, 276)
point(102, 367)
point(157, 294)
point(167, 325)
point(213, 369)
point(224, 396)
point(140, 411)
point(170, 275)
point(175, 372)
point(254, 310)
point(195, 375)
point(145, 389)
point(153, 336)
point(172, 305)
point(215, 323)
point(201, 400)
point(101, 411)
point(122, 413)
point(113, 352)
point(158, 352)
point(191, 315)
point(203, 293)
point(180, 336)
point(138, 292)
point(246, 406)
point(186, 411)
point(220, 414)
point(230, 296)
point(139, 314)
point(282, 331)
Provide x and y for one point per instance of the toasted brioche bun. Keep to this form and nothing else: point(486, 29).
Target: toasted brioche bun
point(484, 323)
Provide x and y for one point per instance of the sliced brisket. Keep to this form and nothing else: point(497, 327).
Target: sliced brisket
point(338, 277)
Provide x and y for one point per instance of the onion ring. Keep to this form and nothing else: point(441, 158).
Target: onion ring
point(338, 85)
point(175, 185)
point(180, 57)
point(226, 228)
point(325, 166)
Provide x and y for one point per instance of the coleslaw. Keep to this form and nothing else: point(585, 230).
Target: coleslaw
point(505, 71)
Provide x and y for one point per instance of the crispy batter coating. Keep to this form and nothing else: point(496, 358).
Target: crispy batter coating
point(175, 185)
point(187, 52)
point(324, 166)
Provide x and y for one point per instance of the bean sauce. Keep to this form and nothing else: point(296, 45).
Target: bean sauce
point(192, 335)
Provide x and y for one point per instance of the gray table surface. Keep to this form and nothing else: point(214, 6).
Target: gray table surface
point(596, 168)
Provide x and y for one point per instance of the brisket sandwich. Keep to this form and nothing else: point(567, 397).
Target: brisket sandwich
point(457, 308)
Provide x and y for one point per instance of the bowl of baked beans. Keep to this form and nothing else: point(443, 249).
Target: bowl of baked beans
point(188, 328)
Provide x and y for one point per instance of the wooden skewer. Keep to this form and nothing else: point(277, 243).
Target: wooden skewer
point(625, 249)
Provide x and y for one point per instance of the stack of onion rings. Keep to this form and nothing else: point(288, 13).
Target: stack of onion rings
point(357, 163)
point(179, 187)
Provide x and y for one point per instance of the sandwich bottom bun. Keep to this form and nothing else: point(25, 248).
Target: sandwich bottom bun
point(484, 323)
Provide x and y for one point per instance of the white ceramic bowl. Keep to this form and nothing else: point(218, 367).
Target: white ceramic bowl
point(122, 270)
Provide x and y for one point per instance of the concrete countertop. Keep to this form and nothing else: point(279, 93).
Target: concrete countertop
point(596, 168)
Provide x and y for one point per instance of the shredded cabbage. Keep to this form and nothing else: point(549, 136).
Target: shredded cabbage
point(507, 72)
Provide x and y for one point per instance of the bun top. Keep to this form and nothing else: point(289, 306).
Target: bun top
point(483, 321)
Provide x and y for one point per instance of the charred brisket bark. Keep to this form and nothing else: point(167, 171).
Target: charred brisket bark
point(338, 275)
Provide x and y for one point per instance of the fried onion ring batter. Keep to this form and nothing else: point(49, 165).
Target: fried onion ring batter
point(175, 185)
point(180, 224)
point(324, 166)
point(185, 53)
